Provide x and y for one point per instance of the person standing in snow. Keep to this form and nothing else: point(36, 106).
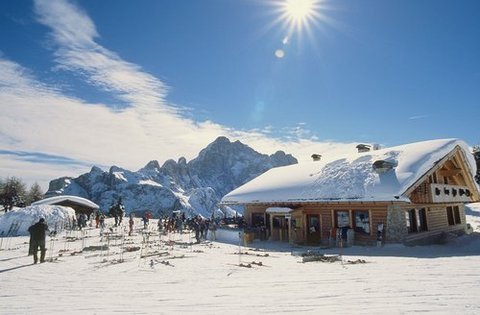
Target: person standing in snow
point(160, 225)
point(213, 230)
point(196, 226)
point(130, 225)
point(38, 233)
point(146, 220)
point(97, 219)
point(101, 220)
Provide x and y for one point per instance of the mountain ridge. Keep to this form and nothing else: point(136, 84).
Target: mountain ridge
point(195, 186)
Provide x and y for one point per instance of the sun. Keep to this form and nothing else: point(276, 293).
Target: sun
point(299, 13)
point(298, 10)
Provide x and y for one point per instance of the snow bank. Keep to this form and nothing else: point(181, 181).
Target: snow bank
point(472, 213)
point(18, 221)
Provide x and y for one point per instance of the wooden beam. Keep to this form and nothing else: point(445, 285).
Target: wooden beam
point(449, 173)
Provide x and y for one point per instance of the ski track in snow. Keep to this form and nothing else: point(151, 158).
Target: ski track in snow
point(395, 279)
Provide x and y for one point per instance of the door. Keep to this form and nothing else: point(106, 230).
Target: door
point(313, 228)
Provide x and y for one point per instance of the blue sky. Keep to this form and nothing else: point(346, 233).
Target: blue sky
point(124, 82)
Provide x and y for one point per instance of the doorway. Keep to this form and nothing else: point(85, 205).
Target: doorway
point(313, 228)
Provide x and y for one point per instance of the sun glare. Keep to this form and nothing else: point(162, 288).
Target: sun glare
point(298, 13)
point(298, 18)
point(299, 9)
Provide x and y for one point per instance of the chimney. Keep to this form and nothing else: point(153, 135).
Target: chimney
point(382, 166)
point(316, 157)
point(363, 148)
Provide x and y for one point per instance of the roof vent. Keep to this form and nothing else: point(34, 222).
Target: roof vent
point(316, 157)
point(382, 166)
point(363, 148)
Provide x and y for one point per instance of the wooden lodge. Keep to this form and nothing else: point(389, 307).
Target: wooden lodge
point(409, 194)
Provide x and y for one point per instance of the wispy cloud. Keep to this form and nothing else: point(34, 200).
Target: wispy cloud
point(417, 117)
point(45, 122)
point(74, 35)
point(42, 158)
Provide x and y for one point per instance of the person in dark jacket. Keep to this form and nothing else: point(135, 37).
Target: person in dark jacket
point(38, 232)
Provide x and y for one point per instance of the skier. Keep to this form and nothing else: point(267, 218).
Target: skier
point(196, 226)
point(101, 220)
point(97, 220)
point(160, 225)
point(145, 221)
point(130, 225)
point(37, 239)
point(213, 230)
point(113, 212)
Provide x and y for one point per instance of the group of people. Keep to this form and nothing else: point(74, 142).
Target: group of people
point(177, 222)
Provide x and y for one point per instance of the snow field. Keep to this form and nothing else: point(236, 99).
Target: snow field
point(207, 278)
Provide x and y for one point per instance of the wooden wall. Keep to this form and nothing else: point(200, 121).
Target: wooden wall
point(422, 194)
point(437, 221)
point(377, 215)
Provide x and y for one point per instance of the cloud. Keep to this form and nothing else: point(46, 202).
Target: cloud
point(41, 158)
point(73, 34)
point(40, 123)
point(418, 117)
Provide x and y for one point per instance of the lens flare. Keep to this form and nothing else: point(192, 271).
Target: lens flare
point(279, 53)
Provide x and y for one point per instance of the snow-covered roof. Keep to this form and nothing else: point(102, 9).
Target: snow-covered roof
point(59, 199)
point(350, 177)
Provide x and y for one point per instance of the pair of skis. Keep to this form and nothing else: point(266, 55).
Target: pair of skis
point(12, 231)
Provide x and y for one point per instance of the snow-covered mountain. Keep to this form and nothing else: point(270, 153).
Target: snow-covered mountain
point(195, 186)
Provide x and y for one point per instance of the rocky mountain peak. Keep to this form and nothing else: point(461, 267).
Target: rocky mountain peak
point(152, 165)
point(195, 186)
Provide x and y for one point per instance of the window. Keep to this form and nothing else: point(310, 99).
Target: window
point(456, 214)
point(422, 220)
point(342, 219)
point(411, 220)
point(451, 220)
point(258, 219)
point(416, 220)
point(277, 222)
point(280, 222)
point(361, 221)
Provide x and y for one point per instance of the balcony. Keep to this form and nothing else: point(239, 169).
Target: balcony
point(450, 193)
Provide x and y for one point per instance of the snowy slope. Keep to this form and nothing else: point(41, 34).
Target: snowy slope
point(207, 278)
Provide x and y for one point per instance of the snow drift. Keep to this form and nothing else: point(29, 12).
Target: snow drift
point(17, 222)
